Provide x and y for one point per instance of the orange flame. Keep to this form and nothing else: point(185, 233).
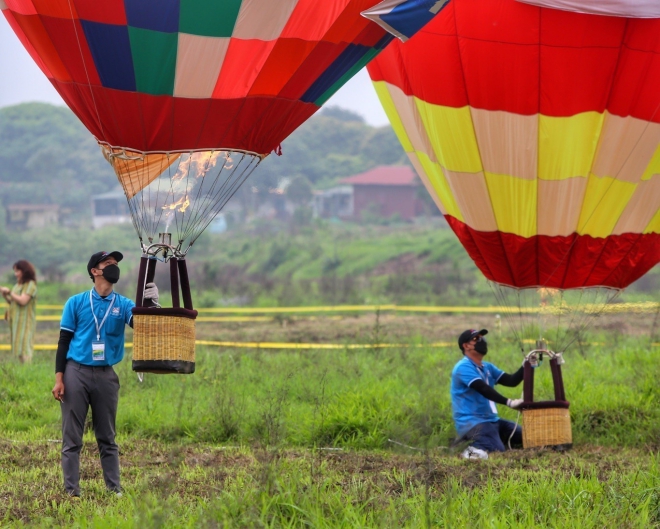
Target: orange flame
point(197, 165)
point(180, 205)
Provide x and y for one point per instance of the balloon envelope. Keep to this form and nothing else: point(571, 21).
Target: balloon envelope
point(219, 82)
point(182, 75)
point(537, 132)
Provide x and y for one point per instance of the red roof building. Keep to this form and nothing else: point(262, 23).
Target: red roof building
point(386, 191)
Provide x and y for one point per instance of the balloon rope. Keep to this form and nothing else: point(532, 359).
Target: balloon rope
point(226, 196)
point(82, 58)
point(192, 217)
point(206, 201)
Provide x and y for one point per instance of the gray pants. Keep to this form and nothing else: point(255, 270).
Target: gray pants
point(98, 387)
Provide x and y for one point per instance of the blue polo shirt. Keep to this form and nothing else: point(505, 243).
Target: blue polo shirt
point(470, 407)
point(77, 318)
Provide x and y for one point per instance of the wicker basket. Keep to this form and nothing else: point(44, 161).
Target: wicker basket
point(164, 339)
point(163, 343)
point(546, 423)
point(547, 427)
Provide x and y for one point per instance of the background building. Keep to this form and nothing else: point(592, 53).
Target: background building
point(29, 216)
point(386, 191)
point(109, 208)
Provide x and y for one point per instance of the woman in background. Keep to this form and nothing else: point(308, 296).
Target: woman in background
point(22, 313)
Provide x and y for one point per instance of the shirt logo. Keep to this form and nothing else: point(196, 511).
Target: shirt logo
point(116, 311)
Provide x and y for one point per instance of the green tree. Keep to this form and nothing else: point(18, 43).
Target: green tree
point(300, 190)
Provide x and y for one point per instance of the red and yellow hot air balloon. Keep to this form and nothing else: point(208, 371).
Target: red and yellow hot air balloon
point(537, 131)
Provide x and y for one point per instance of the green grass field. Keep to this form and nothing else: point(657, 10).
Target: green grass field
point(359, 438)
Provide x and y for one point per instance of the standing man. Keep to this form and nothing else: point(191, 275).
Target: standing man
point(473, 399)
point(91, 342)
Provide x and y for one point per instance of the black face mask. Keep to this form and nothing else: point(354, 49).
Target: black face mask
point(481, 346)
point(111, 273)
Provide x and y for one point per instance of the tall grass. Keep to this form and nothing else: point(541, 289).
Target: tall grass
point(349, 438)
point(345, 398)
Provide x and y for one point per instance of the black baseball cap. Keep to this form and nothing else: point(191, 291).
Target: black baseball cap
point(99, 257)
point(466, 336)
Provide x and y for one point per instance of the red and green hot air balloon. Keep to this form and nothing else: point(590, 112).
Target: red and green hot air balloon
point(186, 97)
point(174, 90)
point(536, 129)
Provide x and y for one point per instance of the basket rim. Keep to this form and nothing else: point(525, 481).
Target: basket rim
point(165, 312)
point(545, 405)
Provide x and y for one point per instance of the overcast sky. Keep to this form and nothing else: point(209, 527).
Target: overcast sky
point(22, 81)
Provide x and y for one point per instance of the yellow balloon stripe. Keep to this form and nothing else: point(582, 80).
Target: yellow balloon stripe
point(514, 203)
point(566, 149)
point(392, 114)
point(567, 145)
point(438, 181)
point(452, 136)
point(653, 168)
point(604, 201)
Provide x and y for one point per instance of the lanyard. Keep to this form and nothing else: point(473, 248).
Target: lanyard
point(96, 321)
point(483, 374)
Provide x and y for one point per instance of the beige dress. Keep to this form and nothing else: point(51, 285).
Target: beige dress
point(23, 321)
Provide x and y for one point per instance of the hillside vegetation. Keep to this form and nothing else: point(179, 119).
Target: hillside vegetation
point(270, 263)
point(48, 157)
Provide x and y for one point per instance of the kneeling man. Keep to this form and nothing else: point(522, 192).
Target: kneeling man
point(473, 399)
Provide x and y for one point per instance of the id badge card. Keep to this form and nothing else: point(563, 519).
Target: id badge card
point(98, 351)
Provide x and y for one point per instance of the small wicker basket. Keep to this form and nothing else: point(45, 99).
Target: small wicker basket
point(164, 338)
point(547, 427)
point(546, 423)
point(163, 342)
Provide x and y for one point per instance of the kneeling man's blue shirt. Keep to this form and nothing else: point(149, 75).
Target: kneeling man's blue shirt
point(77, 317)
point(470, 407)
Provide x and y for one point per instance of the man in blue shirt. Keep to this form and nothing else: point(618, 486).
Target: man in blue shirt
point(91, 342)
point(473, 399)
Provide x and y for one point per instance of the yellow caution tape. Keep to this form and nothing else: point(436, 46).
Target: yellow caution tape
point(288, 345)
point(644, 306)
point(233, 318)
point(293, 345)
point(209, 319)
point(281, 310)
point(271, 345)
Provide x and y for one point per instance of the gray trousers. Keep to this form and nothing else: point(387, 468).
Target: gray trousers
point(98, 387)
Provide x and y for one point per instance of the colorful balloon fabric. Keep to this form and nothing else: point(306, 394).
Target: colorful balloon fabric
point(620, 8)
point(537, 132)
point(182, 75)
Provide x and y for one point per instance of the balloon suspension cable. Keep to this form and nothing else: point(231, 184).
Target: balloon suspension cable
point(559, 316)
point(172, 197)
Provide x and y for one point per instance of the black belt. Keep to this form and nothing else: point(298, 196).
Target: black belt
point(83, 366)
